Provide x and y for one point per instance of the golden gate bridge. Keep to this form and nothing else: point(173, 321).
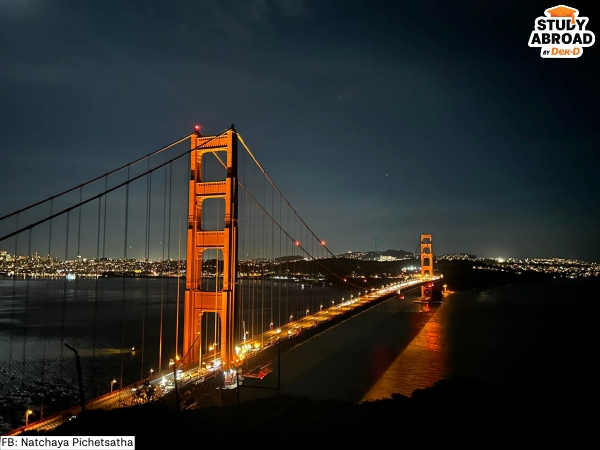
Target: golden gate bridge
point(180, 267)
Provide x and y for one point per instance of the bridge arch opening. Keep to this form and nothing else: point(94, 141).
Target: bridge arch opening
point(212, 169)
point(213, 214)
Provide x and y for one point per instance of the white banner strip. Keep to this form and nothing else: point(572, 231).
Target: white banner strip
point(67, 442)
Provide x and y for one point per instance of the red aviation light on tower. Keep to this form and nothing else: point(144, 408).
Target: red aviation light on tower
point(297, 243)
point(197, 129)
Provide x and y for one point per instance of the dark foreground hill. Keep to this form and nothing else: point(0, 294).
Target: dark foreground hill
point(452, 412)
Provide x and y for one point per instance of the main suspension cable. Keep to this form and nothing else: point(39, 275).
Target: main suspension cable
point(129, 180)
point(97, 178)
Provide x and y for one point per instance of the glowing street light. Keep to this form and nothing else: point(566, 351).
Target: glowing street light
point(291, 317)
point(27, 413)
point(112, 383)
point(307, 312)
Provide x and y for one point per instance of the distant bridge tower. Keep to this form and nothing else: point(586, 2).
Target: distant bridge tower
point(197, 301)
point(426, 245)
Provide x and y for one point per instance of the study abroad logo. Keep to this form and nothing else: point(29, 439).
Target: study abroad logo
point(561, 33)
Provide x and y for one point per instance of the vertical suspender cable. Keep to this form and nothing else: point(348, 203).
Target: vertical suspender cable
point(287, 270)
point(262, 268)
point(254, 258)
point(280, 264)
point(169, 242)
point(104, 240)
point(216, 250)
point(162, 274)
point(47, 289)
point(26, 309)
point(146, 267)
point(314, 284)
point(94, 361)
point(78, 255)
point(14, 295)
point(294, 286)
point(64, 305)
point(272, 255)
point(178, 277)
point(124, 279)
point(241, 291)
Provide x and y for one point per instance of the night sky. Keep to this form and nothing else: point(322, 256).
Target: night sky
point(376, 121)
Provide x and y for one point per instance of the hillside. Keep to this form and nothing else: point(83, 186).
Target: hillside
point(451, 412)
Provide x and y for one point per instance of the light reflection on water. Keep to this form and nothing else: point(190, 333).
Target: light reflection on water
point(534, 338)
point(421, 364)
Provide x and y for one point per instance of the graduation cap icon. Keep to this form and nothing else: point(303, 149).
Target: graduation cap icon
point(562, 11)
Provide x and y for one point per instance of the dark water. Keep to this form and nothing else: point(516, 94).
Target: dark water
point(533, 338)
point(538, 337)
point(105, 318)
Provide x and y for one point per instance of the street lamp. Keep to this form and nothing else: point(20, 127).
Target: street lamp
point(321, 308)
point(307, 312)
point(291, 317)
point(271, 326)
point(151, 372)
point(27, 413)
point(112, 383)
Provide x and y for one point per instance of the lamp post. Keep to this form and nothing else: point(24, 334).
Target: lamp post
point(112, 383)
point(151, 372)
point(27, 413)
point(307, 312)
point(199, 353)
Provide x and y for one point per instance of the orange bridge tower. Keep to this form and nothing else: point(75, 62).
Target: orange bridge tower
point(426, 245)
point(221, 300)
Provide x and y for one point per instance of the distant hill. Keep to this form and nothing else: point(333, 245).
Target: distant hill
point(373, 255)
point(289, 258)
